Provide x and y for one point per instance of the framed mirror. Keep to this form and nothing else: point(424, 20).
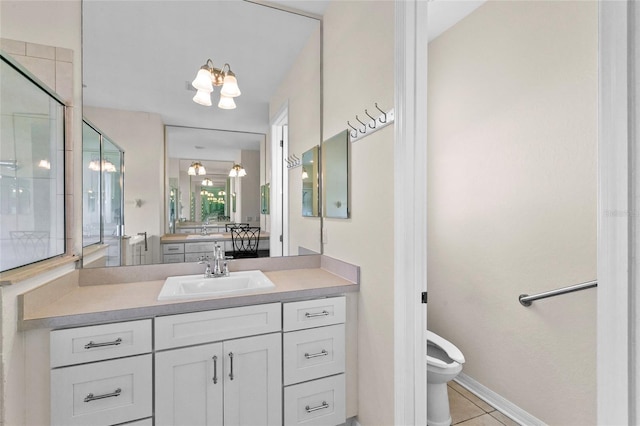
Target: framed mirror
point(310, 185)
point(138, 88)
point(264, 198)
point(335, 176)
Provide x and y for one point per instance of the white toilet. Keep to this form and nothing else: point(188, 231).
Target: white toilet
point(444, 362)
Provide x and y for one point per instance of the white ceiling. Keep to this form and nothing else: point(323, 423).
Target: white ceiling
point(443, 14)
point(142, 56)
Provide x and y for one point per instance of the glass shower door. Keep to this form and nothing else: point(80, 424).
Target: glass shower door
point(113, 200)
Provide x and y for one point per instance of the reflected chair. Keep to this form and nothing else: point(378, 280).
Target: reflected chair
point(30, 245)
point(228, 226)
point(245, 241)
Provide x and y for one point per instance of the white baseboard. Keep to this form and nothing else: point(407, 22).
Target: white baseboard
point(501, 404)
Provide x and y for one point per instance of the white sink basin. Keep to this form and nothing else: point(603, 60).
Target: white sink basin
point(194, 286)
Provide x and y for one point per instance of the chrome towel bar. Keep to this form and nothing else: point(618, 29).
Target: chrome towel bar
point(525, 299)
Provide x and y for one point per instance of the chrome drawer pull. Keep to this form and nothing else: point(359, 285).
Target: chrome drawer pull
point(91, 397)
point(173, 248)
point(322, 353)
point(231, 358)
point(319, 407)
point(321, 314)
point(91, 345)
point(215, 370)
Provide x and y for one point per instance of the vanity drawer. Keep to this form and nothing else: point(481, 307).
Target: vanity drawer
point(316, 403)
point(173, 248)
point(102, 393)
point(199, 248)
point(173, 331)
point(173, 258)
point(98, 342)
point(313, 313)
point(314, 353)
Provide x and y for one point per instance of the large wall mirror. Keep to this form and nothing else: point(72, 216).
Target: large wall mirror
point(139, 61)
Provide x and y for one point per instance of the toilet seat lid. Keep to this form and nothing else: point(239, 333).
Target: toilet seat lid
point(449, 348)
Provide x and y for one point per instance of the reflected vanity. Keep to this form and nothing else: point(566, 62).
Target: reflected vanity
point(206, 134)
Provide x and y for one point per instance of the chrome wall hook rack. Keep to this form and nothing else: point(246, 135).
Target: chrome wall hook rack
point(372, 125)
point(293, 161)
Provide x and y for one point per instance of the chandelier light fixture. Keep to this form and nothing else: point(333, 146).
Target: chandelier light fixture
point(209, 76)
point(237, 171)
point(107, 166)
point(196, 169)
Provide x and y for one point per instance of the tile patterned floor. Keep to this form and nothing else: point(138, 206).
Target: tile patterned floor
point(469, 410)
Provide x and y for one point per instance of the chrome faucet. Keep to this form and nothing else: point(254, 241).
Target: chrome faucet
point(204, 260)
point(220, 265)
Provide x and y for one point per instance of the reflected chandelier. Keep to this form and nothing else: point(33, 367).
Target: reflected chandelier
point(237, 171)
point(196, 169)
point(209, 76)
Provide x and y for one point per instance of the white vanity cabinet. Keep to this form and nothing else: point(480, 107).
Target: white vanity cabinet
point(314, 362)
point(101, 375)
point(234, 381)
point(267, 364)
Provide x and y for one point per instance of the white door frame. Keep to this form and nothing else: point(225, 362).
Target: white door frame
point(279, 200)
point(410, 212)
point(618, 361)
point(618, 183)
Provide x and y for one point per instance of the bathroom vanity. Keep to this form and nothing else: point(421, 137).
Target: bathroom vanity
point(270, 358)
point(178, 248)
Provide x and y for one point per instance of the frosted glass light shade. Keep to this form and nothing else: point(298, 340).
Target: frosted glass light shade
point(201, 171)
point(203, 81)
point(237, 171)
point(230, 87)
point(191, 171)
point(203, 98)
point(226, 102)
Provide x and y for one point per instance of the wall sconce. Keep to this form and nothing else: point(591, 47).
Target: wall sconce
point(196, 169)
point(305, 175)
point(207, 182)
point(237, 171)
point(209, 76)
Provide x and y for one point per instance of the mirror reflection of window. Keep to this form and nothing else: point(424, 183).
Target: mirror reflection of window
point(31, 170)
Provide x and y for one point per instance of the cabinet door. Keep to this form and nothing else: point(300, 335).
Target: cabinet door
point(189, 386)
point(253, 381)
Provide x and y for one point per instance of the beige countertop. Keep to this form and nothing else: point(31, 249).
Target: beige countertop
point(93, 304)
